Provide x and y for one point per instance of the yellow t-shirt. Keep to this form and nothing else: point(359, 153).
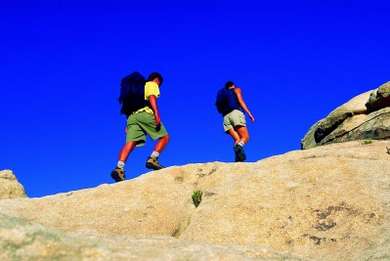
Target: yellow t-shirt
point(151, 89)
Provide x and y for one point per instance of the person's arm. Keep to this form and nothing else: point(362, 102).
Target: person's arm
point(242, 103)
point(153, 104)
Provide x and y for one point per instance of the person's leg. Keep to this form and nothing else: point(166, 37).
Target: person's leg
point(235, 123)
point(243, 139)
point(118, 174)
point(228, 125)
point(159, 133)
point(234, 134)
point(161, 143)
point(152, 161)
point(126, 150)
point(243, 134)
point(134, 137)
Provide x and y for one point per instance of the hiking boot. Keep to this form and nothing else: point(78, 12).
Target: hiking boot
point(239, 153)
point(118, 174)
point(152, 163)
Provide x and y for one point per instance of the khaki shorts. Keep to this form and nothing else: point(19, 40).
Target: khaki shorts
point(234, 119)
point(141, 124)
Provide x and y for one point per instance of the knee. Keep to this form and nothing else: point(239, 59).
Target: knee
point(166, 138)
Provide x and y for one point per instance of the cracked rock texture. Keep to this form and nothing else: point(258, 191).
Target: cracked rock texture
point(9, 186)
point(327, 203)
point(366, 116)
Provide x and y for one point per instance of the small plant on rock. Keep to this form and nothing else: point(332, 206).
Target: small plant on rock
point(197, 197)
point(365, 142)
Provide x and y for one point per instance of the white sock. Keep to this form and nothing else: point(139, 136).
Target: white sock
point(120, 164)
point(155, 154)
point(241, 143)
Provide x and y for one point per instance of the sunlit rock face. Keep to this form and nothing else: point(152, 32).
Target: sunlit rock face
point(366, 116)
point(9, 186)
point(328, 203)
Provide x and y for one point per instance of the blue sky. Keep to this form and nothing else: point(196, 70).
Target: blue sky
point(62, 62)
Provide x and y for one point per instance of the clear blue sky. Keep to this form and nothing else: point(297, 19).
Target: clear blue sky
point(62, 61)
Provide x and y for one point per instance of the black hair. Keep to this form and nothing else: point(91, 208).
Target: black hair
point(229, 84)
point(155, 75)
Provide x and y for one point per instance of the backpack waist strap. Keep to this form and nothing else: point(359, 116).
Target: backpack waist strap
point(144, 109)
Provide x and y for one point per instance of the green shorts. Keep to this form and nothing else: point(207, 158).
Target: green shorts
point(234, 119)
point(141, 124)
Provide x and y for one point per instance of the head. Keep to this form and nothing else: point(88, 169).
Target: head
point(229, 85)
point(156, 77)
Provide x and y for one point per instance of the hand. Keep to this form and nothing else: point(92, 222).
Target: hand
point(251, 117)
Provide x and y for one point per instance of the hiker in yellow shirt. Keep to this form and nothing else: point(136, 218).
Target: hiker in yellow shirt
point(145, 120)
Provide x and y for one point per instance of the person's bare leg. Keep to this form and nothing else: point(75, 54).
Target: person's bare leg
point(126, 150)
point(234, 135)
point(161, 144)
point(152, 162)
point(243, 133)
point(237, 149)
point(243, 139)
point(118, 174)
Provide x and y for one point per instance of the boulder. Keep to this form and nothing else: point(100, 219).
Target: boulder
point(328, 203)
point(9, 186)
point(373, 126)
point(364, 117)
point(379, 98)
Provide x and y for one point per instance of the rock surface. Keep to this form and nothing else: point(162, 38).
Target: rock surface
point(21, 240)
point(380, 98)
point(327, 203)
point(9, 186)
point(366, 116)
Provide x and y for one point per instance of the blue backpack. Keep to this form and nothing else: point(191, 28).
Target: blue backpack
point(227, 101)
point(132, 93)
